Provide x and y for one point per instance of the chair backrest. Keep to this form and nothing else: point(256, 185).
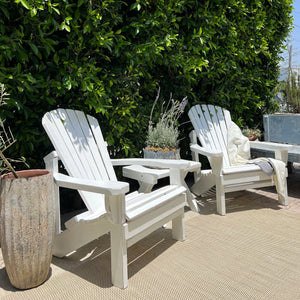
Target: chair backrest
point(79, 143)
point(211, 124)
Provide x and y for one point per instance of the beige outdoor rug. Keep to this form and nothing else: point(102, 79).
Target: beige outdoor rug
point(251, 253)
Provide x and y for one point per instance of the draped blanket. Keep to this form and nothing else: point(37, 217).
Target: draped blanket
point(239, 154)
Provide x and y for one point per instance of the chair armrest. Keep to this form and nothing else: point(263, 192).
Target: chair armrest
point(51, 155)
point(103, 187)
point(281, 150)
point(270, 145)
point(203, 151)
point(158, 163)
point(145, 174)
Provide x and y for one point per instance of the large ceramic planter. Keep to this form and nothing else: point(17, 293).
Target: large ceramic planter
point(172, 154)
point(27, 226)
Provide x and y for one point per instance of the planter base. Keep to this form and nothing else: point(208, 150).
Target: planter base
point(162, 154)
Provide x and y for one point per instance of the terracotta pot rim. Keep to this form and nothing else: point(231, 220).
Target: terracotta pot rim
point(27, 174)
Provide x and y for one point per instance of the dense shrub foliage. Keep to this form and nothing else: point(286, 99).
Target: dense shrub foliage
point(109, 57)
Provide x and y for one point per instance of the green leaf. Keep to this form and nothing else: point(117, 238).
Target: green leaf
point(56, 10)
point(25, 4)
point(34, 48)
point(56, 58)
point(33, 12)
point(5, 11)
point(65, 27)
point(19, 68)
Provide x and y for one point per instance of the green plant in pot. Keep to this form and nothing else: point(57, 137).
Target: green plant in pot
point(252, 133)
point(163, 136)
point(27, 218)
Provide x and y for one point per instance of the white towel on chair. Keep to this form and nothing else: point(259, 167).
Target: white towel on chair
point(238, 146)
point(239, 154)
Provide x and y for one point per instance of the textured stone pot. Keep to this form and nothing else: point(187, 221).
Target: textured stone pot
point(162, 154)
point(27, 226)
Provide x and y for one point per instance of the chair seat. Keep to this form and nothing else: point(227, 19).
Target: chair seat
point(138, 204)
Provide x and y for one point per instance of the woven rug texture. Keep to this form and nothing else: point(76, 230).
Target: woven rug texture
point(251, 253)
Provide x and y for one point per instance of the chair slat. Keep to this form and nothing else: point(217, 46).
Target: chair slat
point(209, 116)
point(218, 120)
point(80, 135)
point(105, 159)
point(201, 126)
point(227, 117)
point(54, 126)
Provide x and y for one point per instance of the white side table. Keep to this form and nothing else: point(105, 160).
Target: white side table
point(148, 177)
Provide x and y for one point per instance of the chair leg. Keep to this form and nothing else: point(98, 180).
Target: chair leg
point(178, 230)
point(220, 197)
point(119, 272)
point(283, 198)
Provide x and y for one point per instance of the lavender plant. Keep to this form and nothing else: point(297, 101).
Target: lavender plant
point(164, 135)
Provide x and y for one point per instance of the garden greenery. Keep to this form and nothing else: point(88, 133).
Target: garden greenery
point(292, 92)
point(108, 58)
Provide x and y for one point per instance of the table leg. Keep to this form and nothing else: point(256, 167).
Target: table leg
point(189, 197)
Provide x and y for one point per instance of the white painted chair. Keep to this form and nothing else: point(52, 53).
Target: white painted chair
point(211, 124)
point(79, 144)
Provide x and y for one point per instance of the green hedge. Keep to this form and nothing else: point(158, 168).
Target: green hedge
point(108, 58)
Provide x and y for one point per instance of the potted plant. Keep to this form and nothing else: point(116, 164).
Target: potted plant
point(163, 137)
point(252, 133)
point(27, 219)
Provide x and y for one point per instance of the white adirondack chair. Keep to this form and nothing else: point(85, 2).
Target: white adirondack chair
point(79, 144)
point(211, 125)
